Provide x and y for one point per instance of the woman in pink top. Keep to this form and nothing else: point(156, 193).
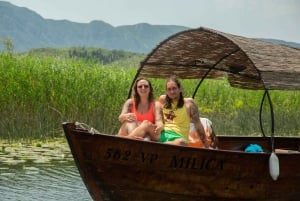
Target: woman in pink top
point(141, 114)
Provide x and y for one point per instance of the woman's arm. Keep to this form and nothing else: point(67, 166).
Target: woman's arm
point(158, 117)
point(126, 114)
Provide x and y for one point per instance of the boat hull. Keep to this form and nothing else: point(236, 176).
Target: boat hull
point(119, 169)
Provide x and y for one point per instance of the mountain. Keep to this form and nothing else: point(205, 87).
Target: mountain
point(276, 41)
point(29, 30)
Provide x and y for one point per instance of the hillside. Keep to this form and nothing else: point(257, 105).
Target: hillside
point(28, 30)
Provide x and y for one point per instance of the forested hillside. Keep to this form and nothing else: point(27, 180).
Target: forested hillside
point(27, 29)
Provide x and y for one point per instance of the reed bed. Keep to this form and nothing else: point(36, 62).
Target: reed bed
point(39, 93)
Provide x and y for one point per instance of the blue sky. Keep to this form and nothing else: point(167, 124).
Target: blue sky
point(276, 19)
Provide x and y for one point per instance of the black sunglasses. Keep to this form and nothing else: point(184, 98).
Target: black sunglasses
point(144, 85)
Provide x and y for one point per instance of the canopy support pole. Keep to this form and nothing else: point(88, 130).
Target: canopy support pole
point(272, 117)
point(212, 67)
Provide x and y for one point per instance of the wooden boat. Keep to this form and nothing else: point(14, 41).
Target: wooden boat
point(119, 169)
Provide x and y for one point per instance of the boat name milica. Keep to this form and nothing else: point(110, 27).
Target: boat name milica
point(175, 161)
point(196, 163)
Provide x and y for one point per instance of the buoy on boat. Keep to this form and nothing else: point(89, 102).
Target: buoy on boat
point(274, 166)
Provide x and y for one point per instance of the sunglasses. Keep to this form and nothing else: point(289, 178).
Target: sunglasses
point(144, 85)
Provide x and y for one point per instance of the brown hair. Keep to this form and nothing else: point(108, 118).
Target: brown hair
point(180, 103)
point(136, 96)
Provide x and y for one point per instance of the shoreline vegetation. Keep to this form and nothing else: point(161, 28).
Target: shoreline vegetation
point(41, 90)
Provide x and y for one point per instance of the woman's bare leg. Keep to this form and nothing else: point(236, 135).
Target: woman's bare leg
point(133, 130)
point(126, 128)
point(141, 130)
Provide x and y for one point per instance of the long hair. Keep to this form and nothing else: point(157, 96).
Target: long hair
point(180, 103)
point(136, 96)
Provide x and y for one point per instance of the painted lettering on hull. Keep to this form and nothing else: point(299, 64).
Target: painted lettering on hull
point(196, 163)
point(126, 155)
point(176, 162)
point(149, 157)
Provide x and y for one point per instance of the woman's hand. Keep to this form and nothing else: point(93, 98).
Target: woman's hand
point(129, 117)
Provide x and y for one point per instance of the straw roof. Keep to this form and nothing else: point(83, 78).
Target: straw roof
point(246, 63)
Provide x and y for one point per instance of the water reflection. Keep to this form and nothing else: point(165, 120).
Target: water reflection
point(52, 181)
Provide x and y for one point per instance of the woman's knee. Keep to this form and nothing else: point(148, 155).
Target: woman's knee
point(146, 123)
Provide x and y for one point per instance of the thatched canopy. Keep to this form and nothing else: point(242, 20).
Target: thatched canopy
point(247, 63)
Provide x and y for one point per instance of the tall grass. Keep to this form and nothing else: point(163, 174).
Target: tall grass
point(236, 111)
point(39, 93)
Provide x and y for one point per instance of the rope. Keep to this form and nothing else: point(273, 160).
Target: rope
point(84, 126)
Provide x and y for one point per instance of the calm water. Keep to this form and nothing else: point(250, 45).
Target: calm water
point(34, 182)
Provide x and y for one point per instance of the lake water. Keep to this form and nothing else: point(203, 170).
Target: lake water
point(36, 182)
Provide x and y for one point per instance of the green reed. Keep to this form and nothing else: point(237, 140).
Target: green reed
point(39, 93)
point(236, 111)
